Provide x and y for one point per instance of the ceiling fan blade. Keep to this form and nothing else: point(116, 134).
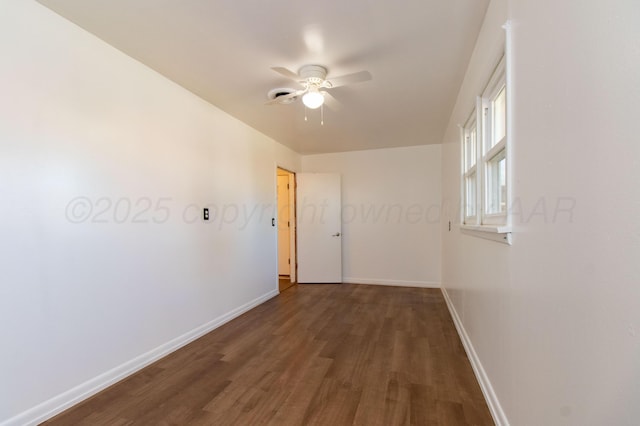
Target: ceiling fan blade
point(284, 98)
point(356, 77)
point(287, 73)
point(331, 102)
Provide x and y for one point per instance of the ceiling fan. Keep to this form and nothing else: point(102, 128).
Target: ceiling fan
point(314, 82)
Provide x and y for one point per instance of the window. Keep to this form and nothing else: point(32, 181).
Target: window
point(484, 157)
point(470, 170)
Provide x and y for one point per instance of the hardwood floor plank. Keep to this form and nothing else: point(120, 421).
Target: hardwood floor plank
point(450, 413)
point(292, 411)
point(315, 355)
point(423, 406)
point(398, 399)
point(334, 403)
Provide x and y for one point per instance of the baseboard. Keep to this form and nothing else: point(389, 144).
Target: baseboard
point(397, 283)
point(499, 417)
point(59, 403)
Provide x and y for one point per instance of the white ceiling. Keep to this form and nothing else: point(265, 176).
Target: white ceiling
point(222, 50)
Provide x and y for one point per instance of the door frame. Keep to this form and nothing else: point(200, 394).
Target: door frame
point(293, 237)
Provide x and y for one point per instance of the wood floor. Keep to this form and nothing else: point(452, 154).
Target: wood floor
point(322, 354)
point(284, 282)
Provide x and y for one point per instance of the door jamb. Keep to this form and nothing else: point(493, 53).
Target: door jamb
point(293, 229)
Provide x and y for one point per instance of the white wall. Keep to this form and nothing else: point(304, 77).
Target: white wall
point(555, 318)
point(77, 300)
point(391, 213)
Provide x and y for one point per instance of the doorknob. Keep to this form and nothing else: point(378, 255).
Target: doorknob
point(336, 235)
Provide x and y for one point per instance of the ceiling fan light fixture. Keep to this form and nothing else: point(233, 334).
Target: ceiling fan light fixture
point(313, 99)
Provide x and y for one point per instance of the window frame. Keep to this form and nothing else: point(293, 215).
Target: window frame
point(482, 118)
point(490, 150)
point(472, 124)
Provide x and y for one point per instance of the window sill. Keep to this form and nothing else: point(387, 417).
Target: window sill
point(500, 234)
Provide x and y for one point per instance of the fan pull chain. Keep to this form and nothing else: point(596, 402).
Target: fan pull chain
point(322, 115)
point(305, 113)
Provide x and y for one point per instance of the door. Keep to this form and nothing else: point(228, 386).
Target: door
point(284, 249)
point(293, 259)
point(319, 228)
point(286, 223)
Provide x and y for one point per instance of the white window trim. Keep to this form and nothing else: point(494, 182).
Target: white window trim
point(495, 227)
point(500, 234)
point(495, 85)
point(471, 121)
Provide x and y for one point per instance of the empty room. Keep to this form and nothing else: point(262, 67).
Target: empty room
point(330, 213)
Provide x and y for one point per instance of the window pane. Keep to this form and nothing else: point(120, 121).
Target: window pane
point(497, 184)
point(471, 151)
point(470, 196)
point(499, 114)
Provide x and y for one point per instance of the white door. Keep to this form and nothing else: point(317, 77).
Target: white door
point(319, 228)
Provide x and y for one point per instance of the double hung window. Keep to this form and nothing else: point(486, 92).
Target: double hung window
point(484, 156)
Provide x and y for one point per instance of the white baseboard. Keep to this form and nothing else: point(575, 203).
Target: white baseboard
point(67, 399)
point(397, 283)
point(499, 417)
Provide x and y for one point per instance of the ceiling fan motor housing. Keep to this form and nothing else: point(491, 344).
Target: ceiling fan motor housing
point(314, 74)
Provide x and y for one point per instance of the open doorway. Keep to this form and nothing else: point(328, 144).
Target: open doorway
point(287, 265)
